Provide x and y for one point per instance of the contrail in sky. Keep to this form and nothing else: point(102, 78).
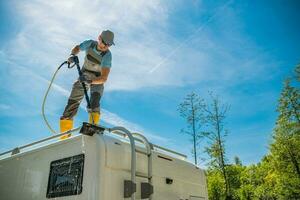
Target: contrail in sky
point(182, 43)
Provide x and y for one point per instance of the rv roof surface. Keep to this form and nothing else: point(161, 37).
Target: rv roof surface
point(52, 140)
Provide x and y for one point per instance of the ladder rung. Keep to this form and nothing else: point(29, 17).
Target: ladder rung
point(142, 152)
point(142, 175)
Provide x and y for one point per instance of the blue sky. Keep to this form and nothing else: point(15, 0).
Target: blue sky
point(164, 50)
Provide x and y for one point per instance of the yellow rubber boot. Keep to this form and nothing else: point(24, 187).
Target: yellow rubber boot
point(65, 125)
point(96, 117)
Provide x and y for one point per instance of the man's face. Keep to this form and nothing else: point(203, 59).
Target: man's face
point(101, 44)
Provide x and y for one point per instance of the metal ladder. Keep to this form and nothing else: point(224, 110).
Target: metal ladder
point(130, 186)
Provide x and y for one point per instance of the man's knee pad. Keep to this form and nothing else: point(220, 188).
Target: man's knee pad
point(95, 100)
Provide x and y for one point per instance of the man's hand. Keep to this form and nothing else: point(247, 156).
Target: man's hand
point(71, 59)
point(74, 52)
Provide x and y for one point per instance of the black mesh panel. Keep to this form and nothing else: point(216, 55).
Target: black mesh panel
point(66, 176)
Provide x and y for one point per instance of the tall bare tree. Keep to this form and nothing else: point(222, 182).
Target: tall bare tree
point(192, 109)
point(215, 112)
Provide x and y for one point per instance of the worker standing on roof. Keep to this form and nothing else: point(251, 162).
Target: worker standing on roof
point(96, 68)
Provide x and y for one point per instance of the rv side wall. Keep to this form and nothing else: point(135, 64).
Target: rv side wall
point(26, 175)
point(96, 167)
point(173, 179)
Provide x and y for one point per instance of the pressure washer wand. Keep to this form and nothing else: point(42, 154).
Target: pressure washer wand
point(76, 61)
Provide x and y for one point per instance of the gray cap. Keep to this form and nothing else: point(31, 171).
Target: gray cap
point(108, 37)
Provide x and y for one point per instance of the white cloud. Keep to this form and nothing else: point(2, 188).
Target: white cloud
point(52, 28)
point(146, 54)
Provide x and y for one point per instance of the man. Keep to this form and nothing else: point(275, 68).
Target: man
point(96, 68)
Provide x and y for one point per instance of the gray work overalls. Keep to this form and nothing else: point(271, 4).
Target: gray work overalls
point(91, 70)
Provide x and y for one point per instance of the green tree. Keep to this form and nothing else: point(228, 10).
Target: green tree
point(234, 173)
point(215, 184)
point(192, 110)
point(265, 180)
point(285, 148)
